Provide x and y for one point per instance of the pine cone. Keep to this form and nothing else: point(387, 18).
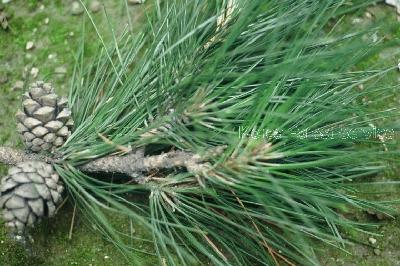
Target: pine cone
point(45, 122)
point(31, 191)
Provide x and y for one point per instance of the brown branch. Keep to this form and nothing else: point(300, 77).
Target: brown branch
point(12, 156)
point(132, 164)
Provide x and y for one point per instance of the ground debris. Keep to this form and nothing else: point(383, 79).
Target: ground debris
point(76, 8)
point(29, 46)
point(136, 2)
point(19, 85)
point(4, 20)
point(95, 6)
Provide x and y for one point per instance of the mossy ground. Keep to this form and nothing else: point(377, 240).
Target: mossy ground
point(56, 43)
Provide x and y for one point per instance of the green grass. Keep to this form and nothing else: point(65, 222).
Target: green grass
point(61, 38)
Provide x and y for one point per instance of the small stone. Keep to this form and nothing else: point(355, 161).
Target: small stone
point(18, 85)
point(71, 34)
point(368, 15)
point(135, 2)
point(60, 70)
point(46, 21)
point(34, 72)
point(372, 240)
point(95, 6)
point(30, 45)
point(51, 56)
point(76, 8)
point(377, 252)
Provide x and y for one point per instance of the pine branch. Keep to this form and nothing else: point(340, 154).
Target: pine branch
point(131, 164)
point(11, 156)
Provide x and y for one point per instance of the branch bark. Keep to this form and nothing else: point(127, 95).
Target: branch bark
point(132, 164)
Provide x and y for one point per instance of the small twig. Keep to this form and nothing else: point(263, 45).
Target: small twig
point(214, 247)
point(72, 223)
point(12, 156)
point(271, 251)
point(132, 164)
point(61, 205)
point(123, 149)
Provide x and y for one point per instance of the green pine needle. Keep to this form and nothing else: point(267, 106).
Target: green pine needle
point(267, 79)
